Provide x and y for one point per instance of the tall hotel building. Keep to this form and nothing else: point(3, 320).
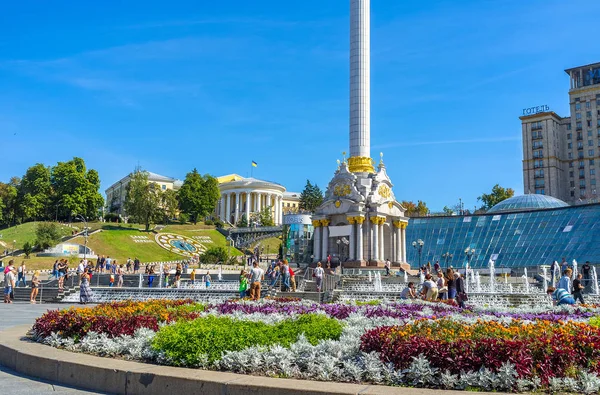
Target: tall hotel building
point(561, 155)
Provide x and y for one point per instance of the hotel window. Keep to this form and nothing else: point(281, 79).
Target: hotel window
point(589, 123)
point(582, 173)
point(569, 127)
point(540, 192)
point(588, 105)
point(580, 155)
point(580, 144)
point(571, 174)
point(572, 183)
point(592, 172)
point(591, 162)
point(590, 143)
point(570, 164)
point(581, 164)
point(582, 184)
point(591, 152)
point(578, 125)
point(572, 193)
point(164, 187)
point(598, 123)
point(569, 136)
point(570, 155)
point(570, 145)
point(593, 181)
point(582, 192)
point(577, 106)
point(577, 115)
point(589, 133)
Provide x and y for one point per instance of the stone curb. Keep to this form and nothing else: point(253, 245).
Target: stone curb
point(126, 377)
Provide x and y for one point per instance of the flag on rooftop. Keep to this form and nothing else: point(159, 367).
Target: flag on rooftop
point(254, 164)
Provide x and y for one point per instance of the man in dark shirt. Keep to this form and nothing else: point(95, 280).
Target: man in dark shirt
point(578, 289)
point(586, 269)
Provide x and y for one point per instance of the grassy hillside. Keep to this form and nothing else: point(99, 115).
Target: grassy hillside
point(22, 233)
point(271, 245)
point(118, 242)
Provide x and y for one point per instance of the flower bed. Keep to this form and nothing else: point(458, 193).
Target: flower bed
point(417, 344)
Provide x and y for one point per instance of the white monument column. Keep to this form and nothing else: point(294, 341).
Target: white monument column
point(316, 240)
point(360, 86)
point(398, 242)
point(359, 238)
point(228, 208)
point(403, 243)
point(375, 238)
point(325, 241)
point(222, 207)
point(280, 210)
point(237, 208)
point(248, 207)
point(381, 241)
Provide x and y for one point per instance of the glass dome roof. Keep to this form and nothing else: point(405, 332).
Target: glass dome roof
point(527, 202)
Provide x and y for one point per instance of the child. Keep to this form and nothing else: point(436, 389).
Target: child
point(207, 279)
point(111, 281)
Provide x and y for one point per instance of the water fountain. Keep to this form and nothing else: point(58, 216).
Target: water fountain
point(510, 288)
point(526, 281)
point(422, 277)
point(370, 277)
point(377, 283)
point(478, 282)
point(405, 277)
point(160, 276)
point(220, 275)
point(141, 281)
point(556, 273)
point(575, 269)
point(492, 276)
point(595, 281)
point(545, 276)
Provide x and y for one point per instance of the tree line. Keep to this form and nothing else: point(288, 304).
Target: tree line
point(51, 193)
point(146, 203)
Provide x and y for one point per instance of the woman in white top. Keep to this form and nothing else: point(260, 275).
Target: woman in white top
point(430, 289)
point(441, 284)
point(318, 274)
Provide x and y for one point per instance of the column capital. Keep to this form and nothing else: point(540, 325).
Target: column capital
point(351, 220)
point(359, 220)
point(316, 223)
point(403, 224)
point(378, 220)
point(325, 222)
point(397, 224)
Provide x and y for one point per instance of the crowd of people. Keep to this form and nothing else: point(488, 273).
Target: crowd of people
point(571, 287)
point(444, 286)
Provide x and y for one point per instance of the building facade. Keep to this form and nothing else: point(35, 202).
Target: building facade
point(523, 231)
point(561, 154)
point(246, 197)
point(116, 193)
point(298, 232)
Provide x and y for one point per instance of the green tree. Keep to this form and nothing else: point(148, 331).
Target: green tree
point(9, 197)
point(142, 201)
point(76, 189)
point(448, 211)
point(35, 192)
point(47, 235)
point(243, 222)
point(214, 255)
point(415, 210)
point(497, 195)
point(169, 203)
point(265, 217)
point(198, 195)
point(410, 207)
point(27, 249)
point(311, 197)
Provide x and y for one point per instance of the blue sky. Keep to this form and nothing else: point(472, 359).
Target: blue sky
point(215, 85)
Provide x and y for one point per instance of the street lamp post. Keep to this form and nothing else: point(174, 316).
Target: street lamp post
point(14, 248)
point(469, 253)
point(447, 257)
point(85, 234)
point(419, 246)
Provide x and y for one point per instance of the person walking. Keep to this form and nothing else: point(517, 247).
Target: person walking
point(451, 283)
point(178, 269)
point(128, 265)
point(9, 282)
point(564, 265)
point(461, 294)
point(318, 275)
point(136, 265)
point(256, 276)
point(441, 284)
point(387, 265)
point(578, 288)
point(292, 279)
point(207, 280)
point(553, 269)
point(150, 272)
point(21, 275)
point(243, 284)
point(120, 276)
point(285, 276)
point(586, 269)
point(35, 284)
point(62, 274)
point(193, 276)
point(85, 291)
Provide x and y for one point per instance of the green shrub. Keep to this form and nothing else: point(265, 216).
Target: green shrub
point(595, 321)
point(214, 255)
point(184, 218)
point(209, 222)
point(185, 341)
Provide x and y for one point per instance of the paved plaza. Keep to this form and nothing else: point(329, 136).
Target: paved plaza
point(12, 382)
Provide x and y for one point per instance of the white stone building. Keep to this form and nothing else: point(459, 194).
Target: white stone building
point(246, 196)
